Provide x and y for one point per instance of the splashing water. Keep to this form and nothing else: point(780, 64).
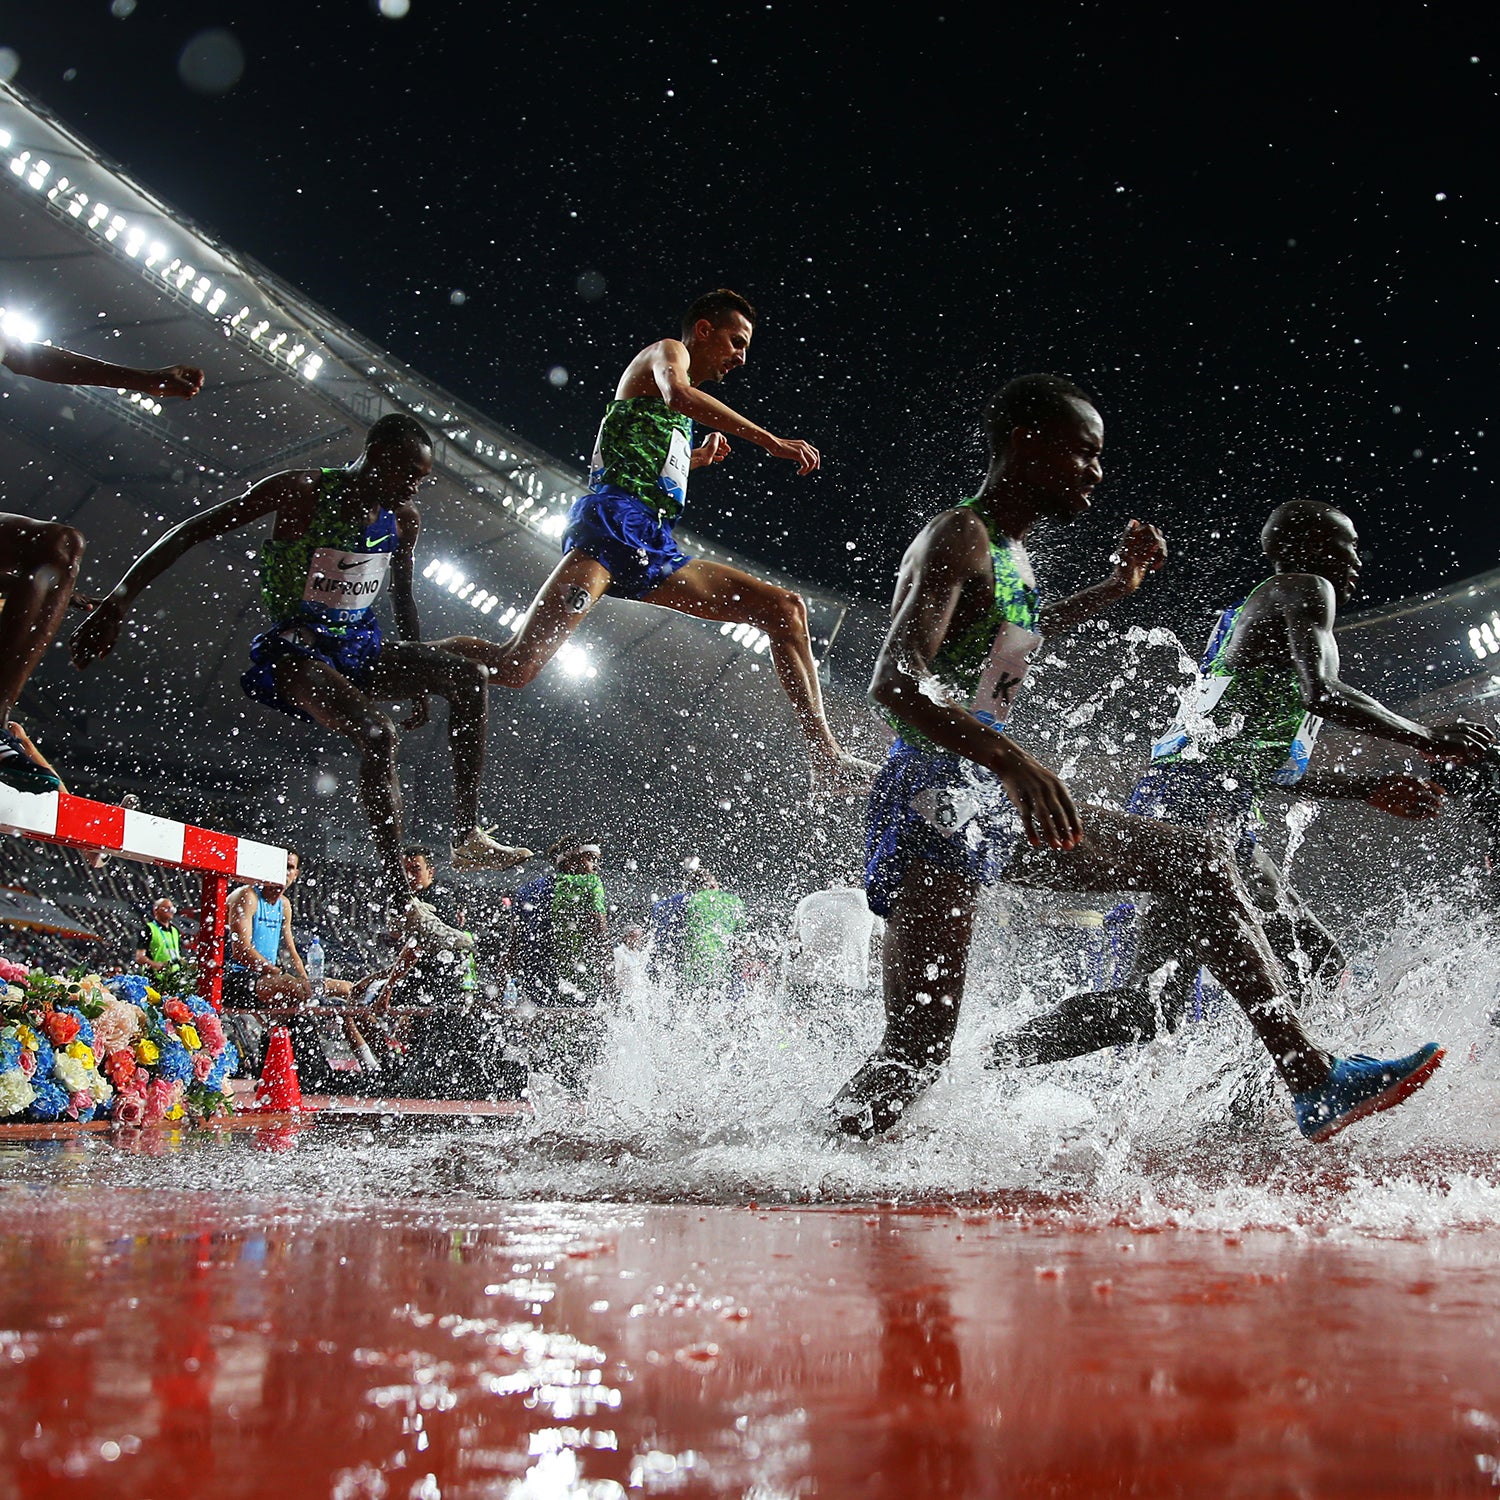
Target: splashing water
point(705, 1100)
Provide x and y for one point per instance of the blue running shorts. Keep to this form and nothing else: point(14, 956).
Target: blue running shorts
point(932, 805)
point(1196, 797)
point(350, 651)
point(628, 537)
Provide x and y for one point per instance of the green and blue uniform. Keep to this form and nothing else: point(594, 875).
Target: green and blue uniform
point(928, 803)
point(637, 488)
point(320, 589)
point(1236, 733)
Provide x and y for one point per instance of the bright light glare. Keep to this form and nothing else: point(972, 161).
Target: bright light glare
point(555, 525)
point(22, 329)
point(395, 10)
point(574, 660)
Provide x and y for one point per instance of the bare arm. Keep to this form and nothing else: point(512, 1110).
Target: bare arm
point(64, 367)
point(289, 943)
point(403, 567)
point(97, 636)
point(669, 369)
point(1308, 606)
point(951, 551)
point(1394, 792)
point(1140, 551)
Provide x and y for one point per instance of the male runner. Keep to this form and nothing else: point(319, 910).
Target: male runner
point(945, 809)
point(39, 559)
point(619, 538)
point(342, 535)
point(1269, 679)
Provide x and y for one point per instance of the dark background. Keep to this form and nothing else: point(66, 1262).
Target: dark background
point(1263, 238)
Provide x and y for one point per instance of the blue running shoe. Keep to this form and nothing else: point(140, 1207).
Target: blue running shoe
point(19, 771)
point(1360, 1086)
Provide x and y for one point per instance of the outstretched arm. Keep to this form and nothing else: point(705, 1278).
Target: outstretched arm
point(669, 369)
point(96, 637)
point(1308, 606)
point(952, 551)
point(1140, 551)
point(64, 367)
point(1395, 792)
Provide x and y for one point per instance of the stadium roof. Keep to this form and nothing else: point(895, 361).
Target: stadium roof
point(642, 735)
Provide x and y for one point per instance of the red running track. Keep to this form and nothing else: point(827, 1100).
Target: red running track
point(217, 1345)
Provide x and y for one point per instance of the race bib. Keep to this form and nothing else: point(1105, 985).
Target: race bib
point(1294, 767)
point(1192, 716)
point(674, 472)
point(340, 582)
point(1004, 673)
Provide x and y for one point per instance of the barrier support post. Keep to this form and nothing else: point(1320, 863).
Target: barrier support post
point(211, 939)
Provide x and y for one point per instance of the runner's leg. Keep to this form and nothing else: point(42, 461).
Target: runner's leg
point(1209, 906)
point(410, 669)
point(576, 585)
point(714, 591)
point(923, 967)
point(39, 563)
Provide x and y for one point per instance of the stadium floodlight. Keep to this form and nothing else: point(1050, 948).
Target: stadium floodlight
point(455, 583)
point(554, 525)
point(20, 327)
point(443, 574)
point(1476, 645)
point(5, 140)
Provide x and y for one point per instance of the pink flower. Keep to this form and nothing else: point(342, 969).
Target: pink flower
point(117, 1027)
point(79, 1102)
point(28, 1061)
point(160, 1097)
point(130, 1109)
point(211, 1033)
point(203, 1065)
point(13, 973)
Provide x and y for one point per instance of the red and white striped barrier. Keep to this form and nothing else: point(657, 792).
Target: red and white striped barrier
point(61, 818)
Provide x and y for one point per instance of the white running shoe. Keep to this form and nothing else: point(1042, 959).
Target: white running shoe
point(423, 926)
point(480, 852)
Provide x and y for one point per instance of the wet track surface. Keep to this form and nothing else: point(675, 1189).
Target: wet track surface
point(157, 1341)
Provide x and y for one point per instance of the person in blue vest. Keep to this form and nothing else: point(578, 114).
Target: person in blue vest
point(342, 538)
point(959, 804)
point(158, 945)
point(1268, 681)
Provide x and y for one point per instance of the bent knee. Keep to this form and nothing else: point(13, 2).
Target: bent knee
point(784, 615)
point(376, 733)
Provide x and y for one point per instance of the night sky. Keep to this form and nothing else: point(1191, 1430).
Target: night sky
point(1264, 240)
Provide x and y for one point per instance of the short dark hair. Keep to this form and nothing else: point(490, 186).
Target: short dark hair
point(1029, 401)
point(397, 430)
point(716, 306)
point(419, 851)
point(562, 848)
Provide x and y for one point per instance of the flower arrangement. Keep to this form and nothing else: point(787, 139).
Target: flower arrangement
point(81, 1048)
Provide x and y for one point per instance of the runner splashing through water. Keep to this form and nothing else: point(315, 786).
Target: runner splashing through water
point(957, 798)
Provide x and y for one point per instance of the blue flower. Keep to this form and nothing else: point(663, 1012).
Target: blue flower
point(128, 987)
point(51, 1102)
point(176, 1063)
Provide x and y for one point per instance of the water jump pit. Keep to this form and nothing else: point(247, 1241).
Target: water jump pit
point(354, 1305)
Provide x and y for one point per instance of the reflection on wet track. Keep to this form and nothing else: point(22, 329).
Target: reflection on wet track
point(156, 1342)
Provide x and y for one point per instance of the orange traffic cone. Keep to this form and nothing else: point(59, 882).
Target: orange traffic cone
point(278, 1088)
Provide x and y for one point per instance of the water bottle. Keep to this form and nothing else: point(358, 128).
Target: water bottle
point(314, 968)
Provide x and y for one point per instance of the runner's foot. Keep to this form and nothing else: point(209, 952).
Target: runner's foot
point(479, 851)
point(422, 925)
point(1360, 1086)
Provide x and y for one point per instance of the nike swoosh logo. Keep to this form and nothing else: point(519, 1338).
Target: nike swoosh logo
point(345, 564)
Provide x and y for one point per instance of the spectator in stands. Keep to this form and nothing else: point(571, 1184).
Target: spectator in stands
point(263, 968)
point(159, 943)
point(713, 922)
point(828, 951)
point(560, 959)
point(440, 976)
point(39, 560)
